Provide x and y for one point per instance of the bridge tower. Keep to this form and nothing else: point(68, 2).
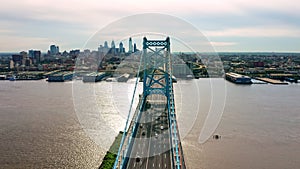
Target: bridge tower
point(156, 62)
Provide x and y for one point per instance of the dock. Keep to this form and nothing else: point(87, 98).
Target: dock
point(272, 81)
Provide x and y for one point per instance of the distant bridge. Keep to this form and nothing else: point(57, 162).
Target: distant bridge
point(151, 139)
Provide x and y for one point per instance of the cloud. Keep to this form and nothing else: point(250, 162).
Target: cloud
point(222, 44)
point(291, 6)
point(268, 31)
point(23, 43)
point(96, 12)
point(65, 20)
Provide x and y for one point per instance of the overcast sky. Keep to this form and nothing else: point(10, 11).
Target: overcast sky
point(230, 25)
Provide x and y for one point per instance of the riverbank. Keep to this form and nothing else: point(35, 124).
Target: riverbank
point(111, 155)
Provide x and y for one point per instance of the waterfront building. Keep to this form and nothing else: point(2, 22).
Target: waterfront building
point(28, 62)
point(11, 64)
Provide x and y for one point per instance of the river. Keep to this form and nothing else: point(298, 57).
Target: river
point(42, 125)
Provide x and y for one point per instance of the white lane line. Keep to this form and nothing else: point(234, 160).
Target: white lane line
point(149, 143)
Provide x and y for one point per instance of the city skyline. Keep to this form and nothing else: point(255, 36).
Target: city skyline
point(231, 25)
point(55, 50)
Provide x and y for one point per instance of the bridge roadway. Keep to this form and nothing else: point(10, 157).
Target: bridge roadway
point(151, 148)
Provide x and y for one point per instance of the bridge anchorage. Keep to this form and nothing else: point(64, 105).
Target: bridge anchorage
point(151, 139)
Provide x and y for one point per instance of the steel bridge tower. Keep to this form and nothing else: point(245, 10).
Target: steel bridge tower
point(157, 81)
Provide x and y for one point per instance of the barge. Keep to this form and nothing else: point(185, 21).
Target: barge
point(94, 77)
point(238, 78)
point(60, 77)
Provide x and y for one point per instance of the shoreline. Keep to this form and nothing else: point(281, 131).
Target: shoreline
point(111, 155)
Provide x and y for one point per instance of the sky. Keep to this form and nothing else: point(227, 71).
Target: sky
point(230, 25)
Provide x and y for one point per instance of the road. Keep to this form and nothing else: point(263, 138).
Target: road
point(151, 146)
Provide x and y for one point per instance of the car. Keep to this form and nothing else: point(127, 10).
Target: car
point(138, 159)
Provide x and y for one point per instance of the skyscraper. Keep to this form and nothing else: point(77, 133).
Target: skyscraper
point(105, 44)
point(35, 56)
point(113, 47)
point(54, 50)
point(130, 45)
point(134, 48)
point(31, 53)
point(121, 48)
point(113, 44)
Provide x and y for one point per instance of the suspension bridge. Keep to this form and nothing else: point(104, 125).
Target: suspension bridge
point(151, 138)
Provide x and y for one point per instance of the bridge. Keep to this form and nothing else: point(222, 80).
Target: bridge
point(151, 138)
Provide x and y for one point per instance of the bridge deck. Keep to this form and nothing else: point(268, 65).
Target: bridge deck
point(151, 147)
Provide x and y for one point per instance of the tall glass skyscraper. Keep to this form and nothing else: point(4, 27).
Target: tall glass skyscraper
point(130, 45)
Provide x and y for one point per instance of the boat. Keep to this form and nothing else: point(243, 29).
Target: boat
point(60, 77)
point(238, 78)
point(2, 77)
point(111, 79)
point(94, 77)
point(123, 78)
point(12, 78)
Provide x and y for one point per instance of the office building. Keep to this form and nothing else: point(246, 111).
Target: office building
point(54, 50)
point(130, 46)
point(121, 48)
point(105, 44)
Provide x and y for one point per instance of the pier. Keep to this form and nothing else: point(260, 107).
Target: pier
point(272, 81)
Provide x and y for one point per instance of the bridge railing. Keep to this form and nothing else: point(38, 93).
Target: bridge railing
point(177, 158)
